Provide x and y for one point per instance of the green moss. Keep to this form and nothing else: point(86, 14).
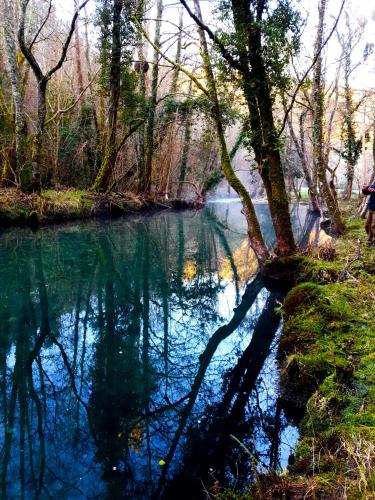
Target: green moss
point(328, 347)
point(66, 204)
point(51, 205)
point(299, 269)
point(327, 358)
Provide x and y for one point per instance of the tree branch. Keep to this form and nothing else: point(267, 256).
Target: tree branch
point(27, 52)
point(132, 129)
point(24, 48)
point(176, 65)
point(66, 110)
point(67, 41)
point(309, 68)
point(42, 25)
point(224, 52)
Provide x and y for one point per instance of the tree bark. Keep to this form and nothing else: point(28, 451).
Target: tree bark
point(77, 48)
point(311, 185)
point(141, 147)
point(11, 52)
point(89, 75)
point(146, 177)
point(176, 71)
point(185, 149)
point(318, 122)
point(254, 231)
point(350, 140)
point(264, 138)
point(103, 178)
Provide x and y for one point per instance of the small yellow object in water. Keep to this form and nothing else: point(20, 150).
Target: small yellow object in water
point(161, 462)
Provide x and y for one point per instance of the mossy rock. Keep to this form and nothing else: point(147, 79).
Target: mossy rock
point(290, 271)
point(300, 377)
point(301, 297)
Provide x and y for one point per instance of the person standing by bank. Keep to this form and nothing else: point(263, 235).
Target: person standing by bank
point(370, 223)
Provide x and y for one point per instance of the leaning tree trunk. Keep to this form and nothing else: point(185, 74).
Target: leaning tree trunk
point(254, 231)
point(264, 139)
point(318, 122)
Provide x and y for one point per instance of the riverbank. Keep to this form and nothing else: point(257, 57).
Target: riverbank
point(51, 206)
point(327, 359)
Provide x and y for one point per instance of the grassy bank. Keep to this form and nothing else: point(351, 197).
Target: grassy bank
point(327, 359)
point(52, 206)
point(17, 208)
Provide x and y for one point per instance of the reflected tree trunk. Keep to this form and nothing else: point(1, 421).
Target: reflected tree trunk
point(214, 435)
point(205, 358)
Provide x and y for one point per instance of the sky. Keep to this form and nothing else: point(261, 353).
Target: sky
point(359, 11)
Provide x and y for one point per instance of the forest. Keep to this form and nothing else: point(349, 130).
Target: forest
point(187, 249)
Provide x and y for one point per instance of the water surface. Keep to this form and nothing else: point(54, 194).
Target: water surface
point(137, 358)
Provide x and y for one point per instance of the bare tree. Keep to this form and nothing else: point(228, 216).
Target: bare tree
point(42, 82)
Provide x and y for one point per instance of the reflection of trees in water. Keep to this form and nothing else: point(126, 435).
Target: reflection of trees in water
point(106, 352)
point(210, 450)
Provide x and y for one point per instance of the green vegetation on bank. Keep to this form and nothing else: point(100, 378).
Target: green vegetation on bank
point(54, 206)
point(327, 359)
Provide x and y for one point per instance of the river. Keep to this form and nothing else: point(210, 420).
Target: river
point(137, 357)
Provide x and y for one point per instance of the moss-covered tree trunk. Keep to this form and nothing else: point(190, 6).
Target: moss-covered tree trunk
point(264, 137)
point(318, 124)
point(254, 231)
point(103, 178)
point(351, 144)
point(11, 53)
point(37, 149)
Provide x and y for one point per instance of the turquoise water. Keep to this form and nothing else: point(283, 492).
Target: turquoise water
point(137, 358)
